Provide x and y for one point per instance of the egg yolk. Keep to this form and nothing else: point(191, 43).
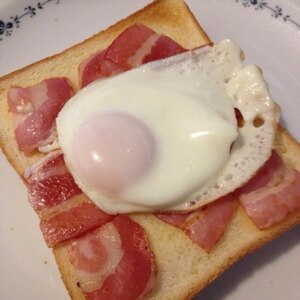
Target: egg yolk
point(112, 150)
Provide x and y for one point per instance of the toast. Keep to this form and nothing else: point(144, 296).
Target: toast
point(179, 273)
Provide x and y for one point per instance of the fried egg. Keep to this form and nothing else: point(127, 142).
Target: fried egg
point(164, 136)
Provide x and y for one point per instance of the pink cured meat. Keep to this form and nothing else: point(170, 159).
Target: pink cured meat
point(163, 48)
point(272, 194)
point(96, 67)
point(54, 196)
point(263, 176)
point(136, 45)
point(52, 191)
point(72, 222)
point(177, 220)
point(134, 272)
point(206, 225)
point(132, 40)
point(35, 109)
point(50, 183)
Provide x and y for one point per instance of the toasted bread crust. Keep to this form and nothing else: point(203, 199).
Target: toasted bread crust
point(184, 272)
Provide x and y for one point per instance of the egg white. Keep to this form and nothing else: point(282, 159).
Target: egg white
point(188, 103)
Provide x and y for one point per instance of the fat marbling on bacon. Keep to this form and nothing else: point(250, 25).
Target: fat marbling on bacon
point(64, 211)
point(114, 262)
point(111, 254)
point(35, 109)
point(136, 45)
point(206, 225)
point(272, 194)
point(50, 182)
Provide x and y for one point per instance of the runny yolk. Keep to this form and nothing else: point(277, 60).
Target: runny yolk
point(112, 151)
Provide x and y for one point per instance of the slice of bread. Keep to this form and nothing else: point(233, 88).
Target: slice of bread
point(183, 267)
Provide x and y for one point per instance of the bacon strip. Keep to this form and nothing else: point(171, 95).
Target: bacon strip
point(64, 211)
point(96, 67)
point(35, 109)
point(206, 225)
point(95, 256)
point(164, 47)
point(136, 45)
point(50, 183)
point(72, 222)
point(128, 43)
point(132, 272)
point(52, 191)
point(272, 194)
point(177, 220)
point(273, 166)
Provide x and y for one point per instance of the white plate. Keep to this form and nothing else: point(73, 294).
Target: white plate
point(268, 31)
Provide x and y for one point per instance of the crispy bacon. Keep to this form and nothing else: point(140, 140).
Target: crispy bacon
point(114, 261)
point(35, 109)
point(272, 194)
point(136, 45)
